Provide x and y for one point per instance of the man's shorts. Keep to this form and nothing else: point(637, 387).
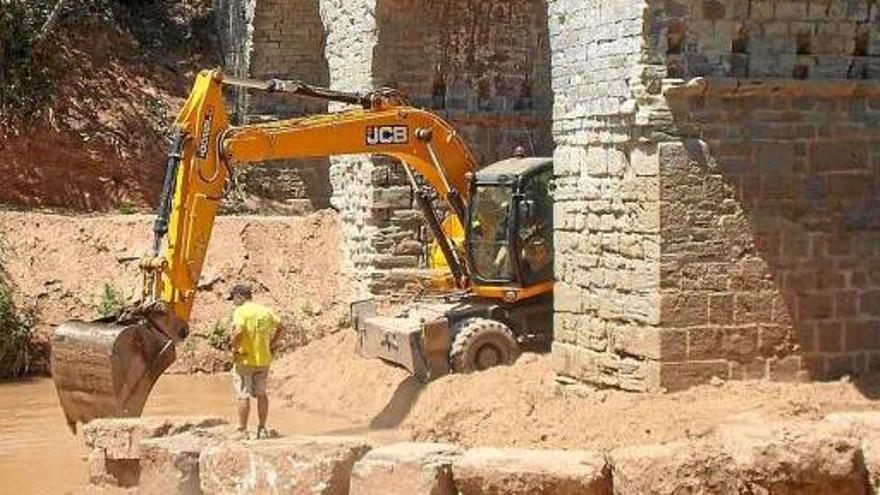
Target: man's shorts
point(249, 381)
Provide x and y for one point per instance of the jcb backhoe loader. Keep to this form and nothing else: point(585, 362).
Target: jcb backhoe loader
point(502, 276)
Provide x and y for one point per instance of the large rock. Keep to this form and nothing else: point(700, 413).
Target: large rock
point(778, 458)
point(170, 465)
point(679, 467)
point(113, 472)
point(120, 438)
point(315, 465)
point(864, 426)
point(116, 444)
point(794, 458)
point(514, 471)
point(406, 469)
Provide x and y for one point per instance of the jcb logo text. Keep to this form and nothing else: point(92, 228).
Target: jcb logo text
point(387, 134)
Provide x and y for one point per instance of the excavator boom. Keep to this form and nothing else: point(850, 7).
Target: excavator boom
point(107, 368)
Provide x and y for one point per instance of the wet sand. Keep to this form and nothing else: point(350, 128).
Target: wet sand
point(38, 454)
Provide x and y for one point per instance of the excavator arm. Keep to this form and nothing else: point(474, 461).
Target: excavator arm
point(107, 368)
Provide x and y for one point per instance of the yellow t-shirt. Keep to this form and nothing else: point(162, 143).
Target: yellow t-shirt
point(257, 323)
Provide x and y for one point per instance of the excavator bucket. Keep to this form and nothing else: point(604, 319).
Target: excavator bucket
point(107, 369)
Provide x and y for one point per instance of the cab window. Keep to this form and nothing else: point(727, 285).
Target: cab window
point(535, 233)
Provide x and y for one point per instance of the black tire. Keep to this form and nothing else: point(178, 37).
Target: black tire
point(480, 344)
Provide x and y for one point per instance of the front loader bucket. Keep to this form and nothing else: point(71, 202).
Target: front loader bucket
point(106, 369)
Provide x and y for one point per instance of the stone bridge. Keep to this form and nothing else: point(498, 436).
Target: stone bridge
point(717, 209)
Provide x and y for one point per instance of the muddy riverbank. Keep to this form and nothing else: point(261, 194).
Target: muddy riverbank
point(39, 455)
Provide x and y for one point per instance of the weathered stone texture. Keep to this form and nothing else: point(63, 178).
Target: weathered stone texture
point(116, 448)
point(864, 426)
point(754, 203)
point(520, 471)
point(406, 469)
point(606, 210)
point(170, 465)
point(485, 66)
point(320, 465)
point(797, 457)
point(795, 39)
point(350, 39)
point(770, 229)
point(285, 41)
point(677, 467)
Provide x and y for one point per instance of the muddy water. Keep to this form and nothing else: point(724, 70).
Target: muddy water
point(38, 454)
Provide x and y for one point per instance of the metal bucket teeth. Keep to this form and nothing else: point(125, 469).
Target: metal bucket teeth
point(105, 369)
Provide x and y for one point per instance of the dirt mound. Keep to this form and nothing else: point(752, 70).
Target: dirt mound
point(522, 405)
point(327, 376)
point(58, 267)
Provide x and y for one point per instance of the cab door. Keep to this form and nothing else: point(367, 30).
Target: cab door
point(534, 235)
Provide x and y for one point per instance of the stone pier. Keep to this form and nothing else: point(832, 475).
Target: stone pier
point(717, 209)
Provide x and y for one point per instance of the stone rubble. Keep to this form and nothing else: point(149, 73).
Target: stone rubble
point(406, 469)
point(836, 454)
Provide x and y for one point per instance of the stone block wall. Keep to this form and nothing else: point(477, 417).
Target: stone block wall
point(771, 230)
point(606, 211)
point(350, 30)
point(268, 39)
point(796, 39)
point(484, 66)
point(759, 181)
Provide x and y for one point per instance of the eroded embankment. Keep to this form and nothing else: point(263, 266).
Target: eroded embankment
point(62, 267)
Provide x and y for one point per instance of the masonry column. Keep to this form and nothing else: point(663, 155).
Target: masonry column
point(716, 209)
point(607, 199)
point(351, 36)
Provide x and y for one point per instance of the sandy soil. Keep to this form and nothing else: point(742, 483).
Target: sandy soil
point(58, 266)
point(522, 405)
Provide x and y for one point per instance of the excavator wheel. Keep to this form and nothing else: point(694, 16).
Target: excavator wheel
point(480, 344)
point(106, 369)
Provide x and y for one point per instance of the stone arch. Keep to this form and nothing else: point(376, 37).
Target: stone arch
point(484, 65)
point(284, 40)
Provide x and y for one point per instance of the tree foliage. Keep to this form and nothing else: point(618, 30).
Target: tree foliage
point(26, 72)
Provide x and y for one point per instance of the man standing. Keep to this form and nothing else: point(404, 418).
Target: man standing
point(257, 332)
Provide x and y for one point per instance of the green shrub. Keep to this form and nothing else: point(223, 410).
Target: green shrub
point(15, 337)
point(126, 208)
point(112, 301)
point(219, 337)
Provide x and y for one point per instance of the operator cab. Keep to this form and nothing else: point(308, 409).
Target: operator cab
point(510, 223)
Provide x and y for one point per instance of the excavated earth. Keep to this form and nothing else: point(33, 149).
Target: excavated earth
point(523, 405)
point(59, 265)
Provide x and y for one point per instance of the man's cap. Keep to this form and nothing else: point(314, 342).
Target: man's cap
point(243, 290)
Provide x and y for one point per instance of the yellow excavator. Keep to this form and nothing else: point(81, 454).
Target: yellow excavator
point(500, 275)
